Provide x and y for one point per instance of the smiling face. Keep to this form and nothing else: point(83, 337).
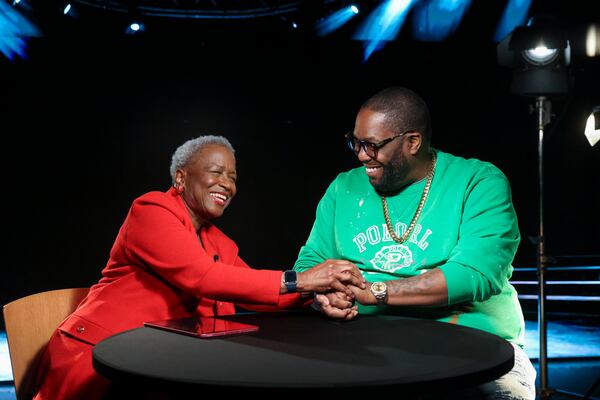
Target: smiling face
point(209, 182)
point(389, 170)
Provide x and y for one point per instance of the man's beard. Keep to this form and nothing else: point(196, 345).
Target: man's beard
point(393, 178)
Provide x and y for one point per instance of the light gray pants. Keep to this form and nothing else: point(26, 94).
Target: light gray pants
point(516, 384)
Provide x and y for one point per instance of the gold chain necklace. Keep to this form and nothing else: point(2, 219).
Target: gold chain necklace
point(408, 231)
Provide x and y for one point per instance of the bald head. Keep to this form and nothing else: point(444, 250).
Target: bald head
point(403, 109)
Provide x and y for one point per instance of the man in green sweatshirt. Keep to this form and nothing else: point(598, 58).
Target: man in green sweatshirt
point(426, 228)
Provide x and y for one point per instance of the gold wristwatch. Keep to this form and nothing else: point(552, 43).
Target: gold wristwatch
point(379, 290)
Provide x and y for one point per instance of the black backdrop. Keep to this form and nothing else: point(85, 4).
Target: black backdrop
point(90, 119)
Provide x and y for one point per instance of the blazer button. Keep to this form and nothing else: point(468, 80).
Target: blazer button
point(80, 329)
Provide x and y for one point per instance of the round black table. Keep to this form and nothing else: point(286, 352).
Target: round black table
point(308, 351)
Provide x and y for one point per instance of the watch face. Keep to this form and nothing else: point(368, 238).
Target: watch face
point(290, 276)
point(378, 287)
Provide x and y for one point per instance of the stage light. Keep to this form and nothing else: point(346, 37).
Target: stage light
point(539, 56)
point(382, 25)
point(592, 126)
point(436, 20)
point(294, 25)
point(515, 14)
point(592, 41)
point(67, 9)
point(336, 20)
point(15, 2)
point(135, 27)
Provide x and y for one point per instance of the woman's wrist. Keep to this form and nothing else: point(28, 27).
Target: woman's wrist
point(291, 281)
point(282, 287)
point(300, 284)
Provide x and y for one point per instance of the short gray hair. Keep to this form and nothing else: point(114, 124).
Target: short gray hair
point(186, 151)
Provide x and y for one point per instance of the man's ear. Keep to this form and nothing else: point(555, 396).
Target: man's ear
point(414, 142)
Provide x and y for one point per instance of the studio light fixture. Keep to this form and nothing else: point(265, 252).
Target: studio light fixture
point(539, 57)
point(592, 126)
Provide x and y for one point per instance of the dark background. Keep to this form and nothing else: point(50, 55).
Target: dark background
point(90, 118)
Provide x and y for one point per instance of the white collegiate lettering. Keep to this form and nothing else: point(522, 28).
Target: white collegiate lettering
point(422, 243)
point(376, 234)
point(414, 234)
point(373, 235)
point(399, 228)
point(360, 241)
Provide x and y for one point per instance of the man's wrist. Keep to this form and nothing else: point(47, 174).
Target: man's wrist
point(379, 290)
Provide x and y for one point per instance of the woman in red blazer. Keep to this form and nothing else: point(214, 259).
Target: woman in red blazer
point(169, 261)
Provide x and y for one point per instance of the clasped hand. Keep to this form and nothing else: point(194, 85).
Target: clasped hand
point(340, 283)
point(331, 275)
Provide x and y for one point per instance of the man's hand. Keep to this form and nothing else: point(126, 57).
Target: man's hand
point(336, 305)
point(363, 296)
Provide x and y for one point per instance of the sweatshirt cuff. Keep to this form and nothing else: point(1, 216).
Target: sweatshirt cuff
point(461, 282)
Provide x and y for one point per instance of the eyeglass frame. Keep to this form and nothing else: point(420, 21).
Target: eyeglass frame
point(365, 144)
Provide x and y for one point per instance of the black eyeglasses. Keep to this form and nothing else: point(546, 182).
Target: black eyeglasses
point(369, 148)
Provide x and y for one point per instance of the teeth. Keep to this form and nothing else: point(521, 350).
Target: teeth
point(371, 169)
point(219, 196)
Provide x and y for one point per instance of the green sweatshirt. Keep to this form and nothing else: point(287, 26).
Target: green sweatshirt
point(467, 228)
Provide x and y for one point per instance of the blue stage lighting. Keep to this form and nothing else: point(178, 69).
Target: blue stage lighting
point(383, 24)
point(515, 14)
point(67, 9)
point(294, 25)
point(436, 20)
point(15, 2)
point(336, 20)
point(15, 29)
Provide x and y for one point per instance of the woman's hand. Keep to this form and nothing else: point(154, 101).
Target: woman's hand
point(331, 275)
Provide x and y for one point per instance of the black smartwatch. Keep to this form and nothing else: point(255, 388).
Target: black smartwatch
point(290, 280)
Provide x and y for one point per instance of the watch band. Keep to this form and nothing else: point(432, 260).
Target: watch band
point(379, 290)
point(290, 280)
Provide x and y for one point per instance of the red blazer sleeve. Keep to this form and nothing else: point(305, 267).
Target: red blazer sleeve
point(158, 234)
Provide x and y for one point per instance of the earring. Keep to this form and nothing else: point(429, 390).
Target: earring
point(179, 187)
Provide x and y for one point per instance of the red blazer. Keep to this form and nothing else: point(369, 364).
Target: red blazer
point(158, 269)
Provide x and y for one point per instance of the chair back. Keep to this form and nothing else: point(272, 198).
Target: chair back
point(30, 322)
